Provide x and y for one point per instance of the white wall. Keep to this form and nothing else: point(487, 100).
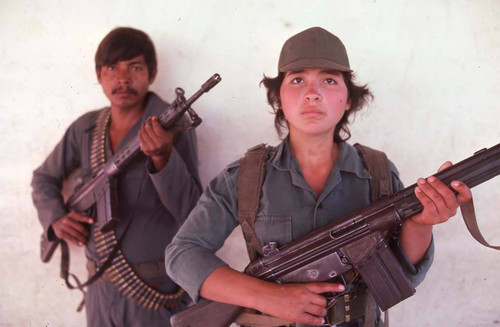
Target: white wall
point(433, 66)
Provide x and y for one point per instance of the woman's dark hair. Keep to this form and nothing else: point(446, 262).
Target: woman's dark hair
point(359, 95)
point(125, 43)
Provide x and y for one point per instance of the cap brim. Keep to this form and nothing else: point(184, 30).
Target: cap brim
point(313, 63)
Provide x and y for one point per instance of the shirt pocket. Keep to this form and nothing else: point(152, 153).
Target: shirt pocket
point(273, 228)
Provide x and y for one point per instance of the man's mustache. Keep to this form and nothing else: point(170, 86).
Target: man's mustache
point(123, 89)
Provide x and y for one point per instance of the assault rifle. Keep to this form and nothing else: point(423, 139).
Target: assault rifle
point(99, 193)
point(354, 243)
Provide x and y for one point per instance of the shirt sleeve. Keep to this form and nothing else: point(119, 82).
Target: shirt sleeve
point(415, 273)
point(190, 257)
point(178, 183)
point(48, 179)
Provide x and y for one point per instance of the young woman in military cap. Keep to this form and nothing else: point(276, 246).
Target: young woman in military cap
point(312, 178)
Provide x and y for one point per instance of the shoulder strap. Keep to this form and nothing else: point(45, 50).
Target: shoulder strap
point(250, 179)
point(377, 164)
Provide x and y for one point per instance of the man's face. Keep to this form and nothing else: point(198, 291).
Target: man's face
point(126, 82)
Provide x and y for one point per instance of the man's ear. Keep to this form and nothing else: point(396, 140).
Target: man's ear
point(152, 76)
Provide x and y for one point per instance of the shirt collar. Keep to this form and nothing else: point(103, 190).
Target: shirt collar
point(349, 160)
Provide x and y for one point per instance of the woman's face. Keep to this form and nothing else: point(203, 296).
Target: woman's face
point(313, 101)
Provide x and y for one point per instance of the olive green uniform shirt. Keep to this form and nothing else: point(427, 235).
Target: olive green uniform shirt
point(288, 209)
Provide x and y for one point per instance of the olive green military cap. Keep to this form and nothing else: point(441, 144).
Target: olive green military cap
point(313, 48)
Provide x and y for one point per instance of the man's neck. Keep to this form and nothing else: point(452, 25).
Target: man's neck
point(122, 120)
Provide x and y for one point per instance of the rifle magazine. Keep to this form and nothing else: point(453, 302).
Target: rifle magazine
point(384, 277)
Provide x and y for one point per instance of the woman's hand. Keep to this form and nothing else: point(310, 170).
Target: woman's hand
point(300, 302)
point(440, 203)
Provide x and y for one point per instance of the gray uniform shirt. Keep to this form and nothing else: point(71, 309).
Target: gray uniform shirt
point(156, 202)
point(288, 209)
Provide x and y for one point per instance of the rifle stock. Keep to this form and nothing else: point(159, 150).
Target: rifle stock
point(218, 314)
point(355, 242)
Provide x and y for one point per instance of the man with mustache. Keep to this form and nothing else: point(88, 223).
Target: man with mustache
point(155, 193)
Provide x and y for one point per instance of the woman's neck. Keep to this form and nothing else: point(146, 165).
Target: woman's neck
point(316, 156)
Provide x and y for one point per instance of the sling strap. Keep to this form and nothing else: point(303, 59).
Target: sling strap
point(377, 164)
point(470, 220)
point(97, 159)
point(250, 180)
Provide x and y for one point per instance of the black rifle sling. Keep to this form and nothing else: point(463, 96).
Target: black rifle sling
point(250, 179)
point(97, 158)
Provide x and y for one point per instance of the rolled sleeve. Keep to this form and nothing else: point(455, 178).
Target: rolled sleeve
point(415, 273)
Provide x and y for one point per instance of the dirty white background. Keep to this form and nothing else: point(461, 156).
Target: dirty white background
point(432, 65)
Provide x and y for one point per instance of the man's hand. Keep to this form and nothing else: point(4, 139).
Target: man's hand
point(71, 228)
point(156, 142)
point(440, 203)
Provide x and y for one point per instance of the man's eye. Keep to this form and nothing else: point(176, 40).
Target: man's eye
point(296, 80)
point(330, 81)
point(137, 68)
point(112, 67)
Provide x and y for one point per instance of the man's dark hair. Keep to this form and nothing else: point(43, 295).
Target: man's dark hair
point(125, 43)
point(359, 95)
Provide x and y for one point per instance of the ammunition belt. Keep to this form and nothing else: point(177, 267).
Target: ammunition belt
point(97, 154)
point(120, 272)
point(126, 280)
